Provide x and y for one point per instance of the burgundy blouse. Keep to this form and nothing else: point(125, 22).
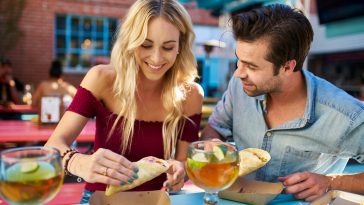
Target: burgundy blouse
point(147, 139)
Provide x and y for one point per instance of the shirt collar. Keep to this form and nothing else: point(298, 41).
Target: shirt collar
point(309, 115)
point(311, 89)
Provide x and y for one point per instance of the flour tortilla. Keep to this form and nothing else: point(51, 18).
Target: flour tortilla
point(252, 159)
point(149, 168)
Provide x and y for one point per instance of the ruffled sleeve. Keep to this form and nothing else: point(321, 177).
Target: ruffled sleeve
point(191, 128)
point(84, 103)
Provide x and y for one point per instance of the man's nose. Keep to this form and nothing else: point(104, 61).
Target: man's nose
point(240, 71)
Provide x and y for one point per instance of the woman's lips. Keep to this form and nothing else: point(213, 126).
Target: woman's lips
point(154, 67)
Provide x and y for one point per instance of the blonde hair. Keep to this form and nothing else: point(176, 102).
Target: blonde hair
point(131, 35)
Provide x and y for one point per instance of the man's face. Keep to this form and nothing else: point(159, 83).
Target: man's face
point(255, 72)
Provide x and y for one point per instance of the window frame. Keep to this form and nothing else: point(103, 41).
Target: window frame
point(82, 50)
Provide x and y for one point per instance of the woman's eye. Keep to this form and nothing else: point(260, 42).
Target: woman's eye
point(167, 48)
point(146, 46)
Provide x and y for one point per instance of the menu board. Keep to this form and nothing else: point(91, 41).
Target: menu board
point(50, 109)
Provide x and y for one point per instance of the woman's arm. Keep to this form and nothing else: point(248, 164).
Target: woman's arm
point(67, 130)
point(176, 174)
point(103, 166)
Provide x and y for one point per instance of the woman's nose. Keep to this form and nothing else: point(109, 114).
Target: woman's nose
point(156, 56)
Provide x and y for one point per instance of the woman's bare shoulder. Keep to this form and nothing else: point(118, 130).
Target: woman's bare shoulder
point(194, 99)
point(99, 79)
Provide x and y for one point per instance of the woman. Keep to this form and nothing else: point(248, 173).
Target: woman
point(152, 109)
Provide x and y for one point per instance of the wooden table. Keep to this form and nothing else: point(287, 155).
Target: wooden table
point(17, 112)
point(27, 131)
point(26, 109)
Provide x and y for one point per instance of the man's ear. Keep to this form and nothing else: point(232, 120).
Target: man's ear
point(290, 65)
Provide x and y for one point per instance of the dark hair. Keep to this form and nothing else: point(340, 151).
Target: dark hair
point(5, 61)
point(288, 30)
point(56, 69)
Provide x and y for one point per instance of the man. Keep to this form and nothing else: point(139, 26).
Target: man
point(310, 127)
point(10, 87)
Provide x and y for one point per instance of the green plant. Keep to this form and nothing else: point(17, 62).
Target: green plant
point(10, 15)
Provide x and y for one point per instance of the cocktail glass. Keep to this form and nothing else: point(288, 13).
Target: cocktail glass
point(30, 175)
point(212, 166)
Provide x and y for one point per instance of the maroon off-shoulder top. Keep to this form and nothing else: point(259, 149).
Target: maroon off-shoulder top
point(146, 141)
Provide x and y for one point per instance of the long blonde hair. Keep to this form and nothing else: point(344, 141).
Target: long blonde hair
point(131, 35)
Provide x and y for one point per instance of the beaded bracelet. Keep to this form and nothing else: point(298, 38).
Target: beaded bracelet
point(67, 172)
point(66, 152)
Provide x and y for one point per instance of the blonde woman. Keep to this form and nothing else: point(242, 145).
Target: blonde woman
point(145, 102)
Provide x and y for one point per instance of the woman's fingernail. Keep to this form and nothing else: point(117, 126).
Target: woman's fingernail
point(135, 176)
point(136, 169)
point(130, 180)
point(122, 183)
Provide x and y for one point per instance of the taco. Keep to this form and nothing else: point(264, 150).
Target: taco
point(149, 168)
point(252, 159)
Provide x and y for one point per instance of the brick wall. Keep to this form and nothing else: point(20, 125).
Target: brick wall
point(34, 52)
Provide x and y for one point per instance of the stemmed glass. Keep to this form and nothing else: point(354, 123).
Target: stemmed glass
point(212, 166)
point(30, 175)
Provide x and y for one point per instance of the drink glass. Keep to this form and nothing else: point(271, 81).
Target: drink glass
point(212, 166)
point(30, 175)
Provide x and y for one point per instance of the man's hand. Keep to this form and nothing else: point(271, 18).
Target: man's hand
point(209, 133)
point(175, 176)
point(306, 185)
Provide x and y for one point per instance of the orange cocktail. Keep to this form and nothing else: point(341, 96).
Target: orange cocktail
point(212, 166)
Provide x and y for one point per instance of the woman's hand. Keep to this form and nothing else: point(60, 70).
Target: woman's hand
point(104, 166)
point(175, 176)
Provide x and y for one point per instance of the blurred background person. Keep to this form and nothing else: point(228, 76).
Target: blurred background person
point(55, 85)
point(10, 87)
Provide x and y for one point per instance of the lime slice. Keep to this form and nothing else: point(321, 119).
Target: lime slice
point(219, 152)
point(27, 167)
point(195, 165)
point(30, 171)
point(200, 157)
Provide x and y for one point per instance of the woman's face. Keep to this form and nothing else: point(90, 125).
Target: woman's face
point(158, 52)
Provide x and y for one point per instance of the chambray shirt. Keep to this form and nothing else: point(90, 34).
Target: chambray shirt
point(321, 141)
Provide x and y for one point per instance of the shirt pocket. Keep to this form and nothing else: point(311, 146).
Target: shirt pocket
point(295, 160)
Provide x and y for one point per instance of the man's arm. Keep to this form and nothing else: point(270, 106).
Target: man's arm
point(310, 186)
point(209, 133)
point(348, 182)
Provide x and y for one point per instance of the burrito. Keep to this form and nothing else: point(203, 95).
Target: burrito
point(149, 168)
point(252, 159)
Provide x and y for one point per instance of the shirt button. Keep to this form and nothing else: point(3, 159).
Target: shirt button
point(268, 134)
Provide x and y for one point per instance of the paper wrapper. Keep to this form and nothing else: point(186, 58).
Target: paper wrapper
point(131, 198)
point(252, 192)
point(339, 198)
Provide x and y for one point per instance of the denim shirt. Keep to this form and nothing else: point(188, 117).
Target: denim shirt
point(321, 141)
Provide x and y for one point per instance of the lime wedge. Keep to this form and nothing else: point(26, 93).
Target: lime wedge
point(195, 164)
point(200, 157)
point(27, 167)
point(219, 152)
